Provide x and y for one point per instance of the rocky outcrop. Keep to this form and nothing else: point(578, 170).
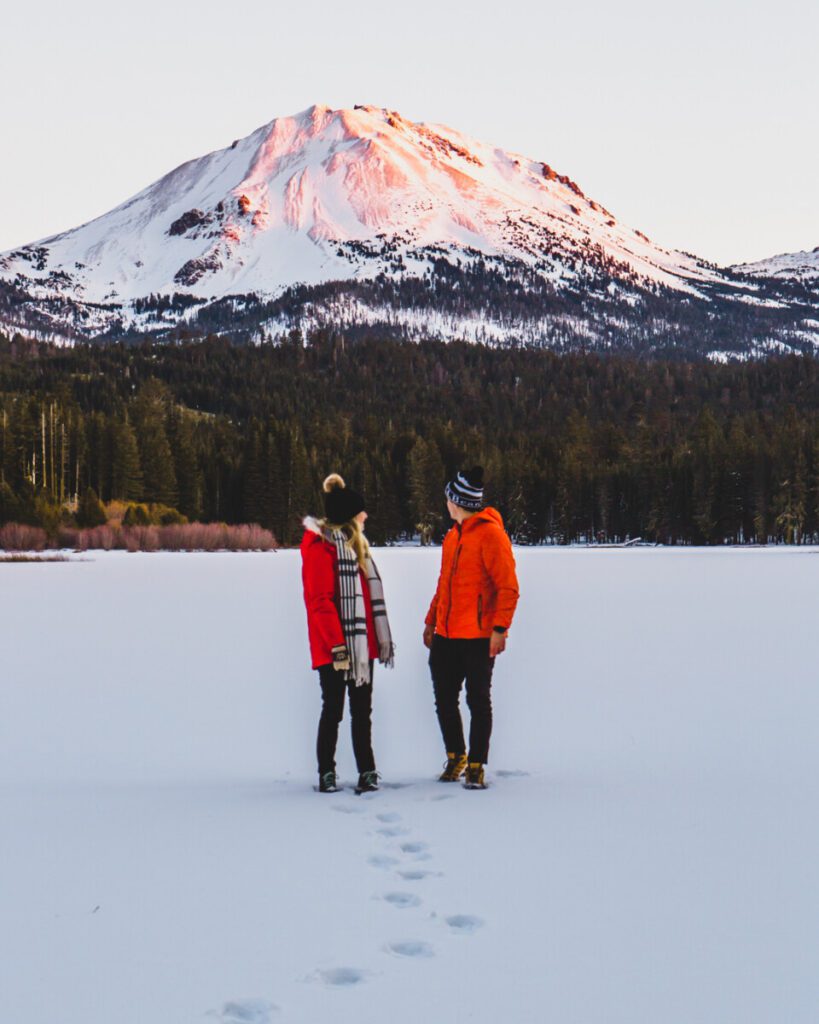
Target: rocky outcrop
point(189, 219)
point(192, 271)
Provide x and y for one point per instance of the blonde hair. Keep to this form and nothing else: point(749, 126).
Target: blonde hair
point(352, 529)
point(356, 541)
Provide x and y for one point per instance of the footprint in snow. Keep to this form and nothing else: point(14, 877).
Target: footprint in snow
point(414, 847)
point(382, 860)
point(392, 831)
point(512, 773)
point(402, 899)
point(464, 924)
point(388, 817)
point(248, 1011)
point(411, 948)
point(414, 875)
point(341, 977)
point(347, 809)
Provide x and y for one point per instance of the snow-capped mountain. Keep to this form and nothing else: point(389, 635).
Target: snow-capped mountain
point(794, 266)
point(356, 218)
point(314, 197)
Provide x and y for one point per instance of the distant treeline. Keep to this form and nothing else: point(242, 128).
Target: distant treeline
point(575, 446)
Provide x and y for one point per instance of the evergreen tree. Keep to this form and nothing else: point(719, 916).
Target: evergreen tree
point(91, 512)
point(186, 464)
point(156, 458)
point(425, 469)
point(126, 471)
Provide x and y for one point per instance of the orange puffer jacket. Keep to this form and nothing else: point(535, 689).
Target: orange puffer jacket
point(477, 588)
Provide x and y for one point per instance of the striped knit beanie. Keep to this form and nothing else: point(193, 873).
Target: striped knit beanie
point(466, 489)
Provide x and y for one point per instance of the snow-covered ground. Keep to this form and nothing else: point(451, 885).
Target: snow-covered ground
point(648, 852)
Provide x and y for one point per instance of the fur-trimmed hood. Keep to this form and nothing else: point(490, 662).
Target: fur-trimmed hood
point(312, 524)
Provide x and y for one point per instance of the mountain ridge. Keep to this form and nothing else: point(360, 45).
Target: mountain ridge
point(367, 197)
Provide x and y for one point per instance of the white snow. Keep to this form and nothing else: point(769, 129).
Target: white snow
point(647, 852)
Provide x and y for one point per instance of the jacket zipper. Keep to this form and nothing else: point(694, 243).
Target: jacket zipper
point(480, 611)
point(451, 574)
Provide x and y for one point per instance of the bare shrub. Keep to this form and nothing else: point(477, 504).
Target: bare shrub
point(215, 537)
point(236, 538)
point(104, 537)
point(96, 538)
point(33, 558)
point(260, 539)
point(173, 537)
point(141, 538)
point(150, 538)
point(19, 537)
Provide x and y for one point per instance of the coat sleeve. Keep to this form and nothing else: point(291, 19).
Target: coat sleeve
point(319, 580)
point(432, 614)
point(500, 565)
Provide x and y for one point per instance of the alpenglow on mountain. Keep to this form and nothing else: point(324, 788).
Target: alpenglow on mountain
point(362, 221)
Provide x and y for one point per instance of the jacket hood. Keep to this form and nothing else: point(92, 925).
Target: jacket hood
point(486, 515)
point(312, 532)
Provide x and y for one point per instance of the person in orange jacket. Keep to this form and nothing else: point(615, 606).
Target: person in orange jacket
point(467, 623)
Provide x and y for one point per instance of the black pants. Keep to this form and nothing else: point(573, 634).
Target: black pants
point(451, 662)
point(333, 687)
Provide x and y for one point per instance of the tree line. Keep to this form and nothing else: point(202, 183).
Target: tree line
point(578, 446)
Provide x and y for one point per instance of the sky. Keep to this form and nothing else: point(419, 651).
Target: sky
point(695, 123)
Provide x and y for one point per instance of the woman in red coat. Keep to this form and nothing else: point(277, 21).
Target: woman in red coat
point(347, 625)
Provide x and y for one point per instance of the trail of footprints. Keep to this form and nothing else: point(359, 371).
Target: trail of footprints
point(404, 858)
point(409, 860)
point(405, 853)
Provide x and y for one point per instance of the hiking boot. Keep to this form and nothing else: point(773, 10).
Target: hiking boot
point(454, 768)
point(328, 783)
point(368, 782)
point(474, 778)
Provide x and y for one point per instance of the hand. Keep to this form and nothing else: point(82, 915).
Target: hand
point(497, 644)
point(341, 659)
point(429, 633)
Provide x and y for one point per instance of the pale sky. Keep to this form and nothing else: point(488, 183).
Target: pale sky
point(694, 122)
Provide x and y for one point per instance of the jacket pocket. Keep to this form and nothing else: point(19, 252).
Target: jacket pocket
point(480, 611)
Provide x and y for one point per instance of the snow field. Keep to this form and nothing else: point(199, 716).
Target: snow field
point(647, 851)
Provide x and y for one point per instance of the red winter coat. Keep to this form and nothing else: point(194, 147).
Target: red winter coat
point(319, 573)
point(477, 588)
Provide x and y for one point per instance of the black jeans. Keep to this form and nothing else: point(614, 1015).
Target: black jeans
point(333, 687)
point(451, 662)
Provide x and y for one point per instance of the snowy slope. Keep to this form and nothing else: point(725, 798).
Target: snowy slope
point(798, 266)
point(334, 194)
point(647, 852)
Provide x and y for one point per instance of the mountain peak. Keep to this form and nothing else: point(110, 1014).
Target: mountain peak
point(349, 195)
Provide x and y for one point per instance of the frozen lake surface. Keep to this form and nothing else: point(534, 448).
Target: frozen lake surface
point(648, 852)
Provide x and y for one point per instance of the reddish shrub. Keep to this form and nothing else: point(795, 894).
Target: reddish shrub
point(175, 537)
point(216, 537)
point(141, 538)
point(19, 537)
point(236, 538)
point(97, 538)
point(260, 539)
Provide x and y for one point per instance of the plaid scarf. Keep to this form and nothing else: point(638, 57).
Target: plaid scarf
point(353, 612)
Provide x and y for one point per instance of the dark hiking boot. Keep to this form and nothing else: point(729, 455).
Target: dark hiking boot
point(454, 768)
point(368, 782)
point(474, 778)
point(328, 783)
